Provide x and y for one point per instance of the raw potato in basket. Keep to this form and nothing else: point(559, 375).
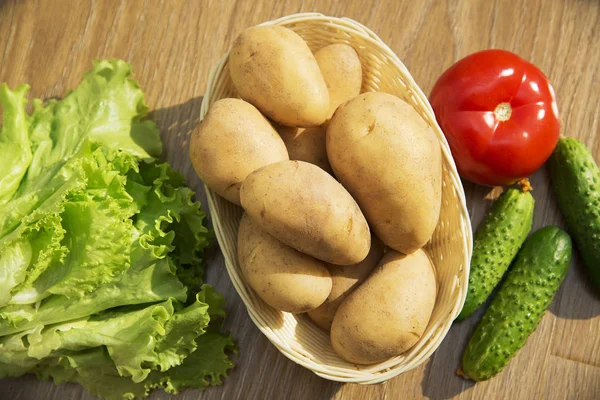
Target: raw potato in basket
point(389, 159)
point(388, 313)
point(344, 279)
point(284, 278)
point(233, 140)
point(307, 209)
point(306, 144)
point(273, 68)
point(342, 72)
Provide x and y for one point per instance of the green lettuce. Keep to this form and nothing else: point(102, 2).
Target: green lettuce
point(15, 145)
point(101, 247)
point(138, 340)
point(109, 360)
point(107, 109)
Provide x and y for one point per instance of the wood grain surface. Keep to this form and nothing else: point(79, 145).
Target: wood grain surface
point(172, 46)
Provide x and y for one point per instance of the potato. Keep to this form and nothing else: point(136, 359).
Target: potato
point(345, 278)
point(273, 68)
point(233, 140)
point(390, 160)
point(388, 313)
point(306, 144)
point(340, 66)
point(307, 209)
point(284, 278)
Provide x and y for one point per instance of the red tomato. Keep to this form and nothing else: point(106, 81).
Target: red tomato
point(499, 115)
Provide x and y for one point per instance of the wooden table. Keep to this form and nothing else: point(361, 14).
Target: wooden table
point(172, 46)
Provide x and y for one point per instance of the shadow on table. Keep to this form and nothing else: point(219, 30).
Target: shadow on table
point(577, 298)
point(176, 124)
point(440, 380)
point(28, 387)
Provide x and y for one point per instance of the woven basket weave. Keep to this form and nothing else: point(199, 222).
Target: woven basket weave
point(450, 248)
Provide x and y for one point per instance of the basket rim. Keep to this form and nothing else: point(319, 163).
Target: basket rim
point(385, 372)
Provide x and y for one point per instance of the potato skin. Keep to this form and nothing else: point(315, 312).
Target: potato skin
point(307, 209)
point(273, 68)
point(306, 144)
point(341, 68)
point(388, 313)
point(345, 278)
point(233, 140)
point(284, 278)
point(388, 157)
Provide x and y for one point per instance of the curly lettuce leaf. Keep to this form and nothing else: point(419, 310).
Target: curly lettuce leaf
point(15, 146)
point(180, 336)
point(147, 281)
point(14, 360)
point(13, 268)
point(137, 340)
point(107, 108)
point(207, 366)
point(98, 232)
point(24, 260)
point(86, 243)
point(110, 108)
point(172, 222)
point(93, 368)
point(45, 238)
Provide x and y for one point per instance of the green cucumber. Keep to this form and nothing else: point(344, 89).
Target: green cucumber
point(575, 179)
point(496, 242)
point(518, 307)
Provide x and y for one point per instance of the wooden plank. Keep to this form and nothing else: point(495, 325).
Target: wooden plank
point(172, 46)
point(567, 379)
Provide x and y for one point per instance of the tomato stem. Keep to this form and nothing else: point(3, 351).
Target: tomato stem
point(503, 111)
point(525, 185)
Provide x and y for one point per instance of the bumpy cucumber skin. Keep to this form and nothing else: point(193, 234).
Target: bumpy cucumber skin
point(575, 179)
point(496, 242)
point(518, 307)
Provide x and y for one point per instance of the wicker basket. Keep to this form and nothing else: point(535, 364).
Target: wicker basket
point(450, 248)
